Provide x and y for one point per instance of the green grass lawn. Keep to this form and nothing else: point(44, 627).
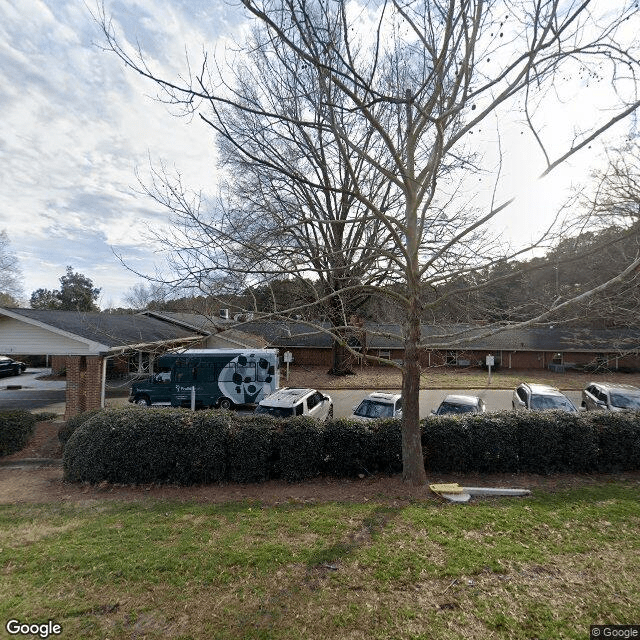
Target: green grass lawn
point(547, 566)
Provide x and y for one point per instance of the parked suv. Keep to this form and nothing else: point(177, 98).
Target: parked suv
point(379, 405)
point(605, 396)
point(540, 397)
point(288, 402)
point(10, 367)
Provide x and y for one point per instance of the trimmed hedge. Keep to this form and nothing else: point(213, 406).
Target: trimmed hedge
point(141, 445)
point(67, 429)
point(16, 427)
point(134, 446)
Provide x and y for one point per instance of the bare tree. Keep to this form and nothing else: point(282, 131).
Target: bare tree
point(141, 296)
point(403, 88)
point(10, 273)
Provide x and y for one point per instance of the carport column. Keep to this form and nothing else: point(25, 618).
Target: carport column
point(83, 384)
point(72, 395)
point(93, 383)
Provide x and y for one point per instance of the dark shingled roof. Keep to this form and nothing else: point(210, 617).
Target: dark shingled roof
point(110, 329)
point(289, 334)
point(456, 337)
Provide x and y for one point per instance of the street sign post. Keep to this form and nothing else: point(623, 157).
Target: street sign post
point(490, 362)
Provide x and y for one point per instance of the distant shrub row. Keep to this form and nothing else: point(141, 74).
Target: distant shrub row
point(136, 446)
point(16, 428)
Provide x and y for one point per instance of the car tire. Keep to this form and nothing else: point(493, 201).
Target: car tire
point(224, 403)
point(17, 371)
point(143, 401)
point(330, 413)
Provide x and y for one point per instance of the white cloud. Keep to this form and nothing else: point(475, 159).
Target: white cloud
point(76, 126)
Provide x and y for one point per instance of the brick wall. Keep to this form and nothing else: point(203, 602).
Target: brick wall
point(58, 363)
point(84, 377)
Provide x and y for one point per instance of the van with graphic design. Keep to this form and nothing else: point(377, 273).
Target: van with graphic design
point(222, 378)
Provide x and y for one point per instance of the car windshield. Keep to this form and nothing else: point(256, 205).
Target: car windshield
point(623, 401)
point(544, 403)
point(373, 409)
point(278, 412)
point(451, 407)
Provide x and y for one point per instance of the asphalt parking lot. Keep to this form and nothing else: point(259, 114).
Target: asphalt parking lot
point(38, 394)
point(28, 391)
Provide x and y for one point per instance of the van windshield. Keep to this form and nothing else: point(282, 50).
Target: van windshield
point(278, 412)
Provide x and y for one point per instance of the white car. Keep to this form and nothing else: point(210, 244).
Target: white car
point(540, 397)
point(606, 396)
point(379, 405)
point(289, 402)
point(457, 404)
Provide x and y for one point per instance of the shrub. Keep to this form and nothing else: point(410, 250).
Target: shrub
point(346, 443)
point(300, 444)
point(384, 446)
point(45, 416)
point(250, 448)
point(447, 444)
point(16, 427)
point(494, 443)
point(202, 458)
point(64, 433)
point(139, 445)
point(618, 437)
point(555, 442)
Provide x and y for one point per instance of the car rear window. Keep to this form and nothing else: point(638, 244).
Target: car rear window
point(450, 407)
point(373, 409)
point(278, 412)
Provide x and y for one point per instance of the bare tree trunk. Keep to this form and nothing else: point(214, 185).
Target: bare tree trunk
point(412, 457)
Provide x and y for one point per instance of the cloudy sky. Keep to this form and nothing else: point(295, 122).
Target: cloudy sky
point(76, 126)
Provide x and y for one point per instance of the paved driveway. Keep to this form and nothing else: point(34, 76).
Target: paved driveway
point(37, 394)
point(496, 399)
point(34, 393)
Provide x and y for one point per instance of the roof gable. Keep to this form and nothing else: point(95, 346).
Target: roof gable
point(99, 332)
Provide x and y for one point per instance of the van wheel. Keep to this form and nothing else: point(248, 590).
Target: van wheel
point(224, 403)
point(143, 401)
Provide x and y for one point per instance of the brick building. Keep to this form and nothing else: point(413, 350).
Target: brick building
point(550, 347)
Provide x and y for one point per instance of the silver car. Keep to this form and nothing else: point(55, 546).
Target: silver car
point(379, 405)
point(605, 396)
point(540, 397)
point(457, 404)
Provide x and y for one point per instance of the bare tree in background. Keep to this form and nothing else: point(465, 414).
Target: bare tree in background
point(404, 87)
point(10, 274)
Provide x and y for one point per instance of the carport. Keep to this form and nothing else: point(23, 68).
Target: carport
point(87, 341)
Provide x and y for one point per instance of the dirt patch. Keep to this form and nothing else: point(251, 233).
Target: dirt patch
point(45, 484)
point(43, 443)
